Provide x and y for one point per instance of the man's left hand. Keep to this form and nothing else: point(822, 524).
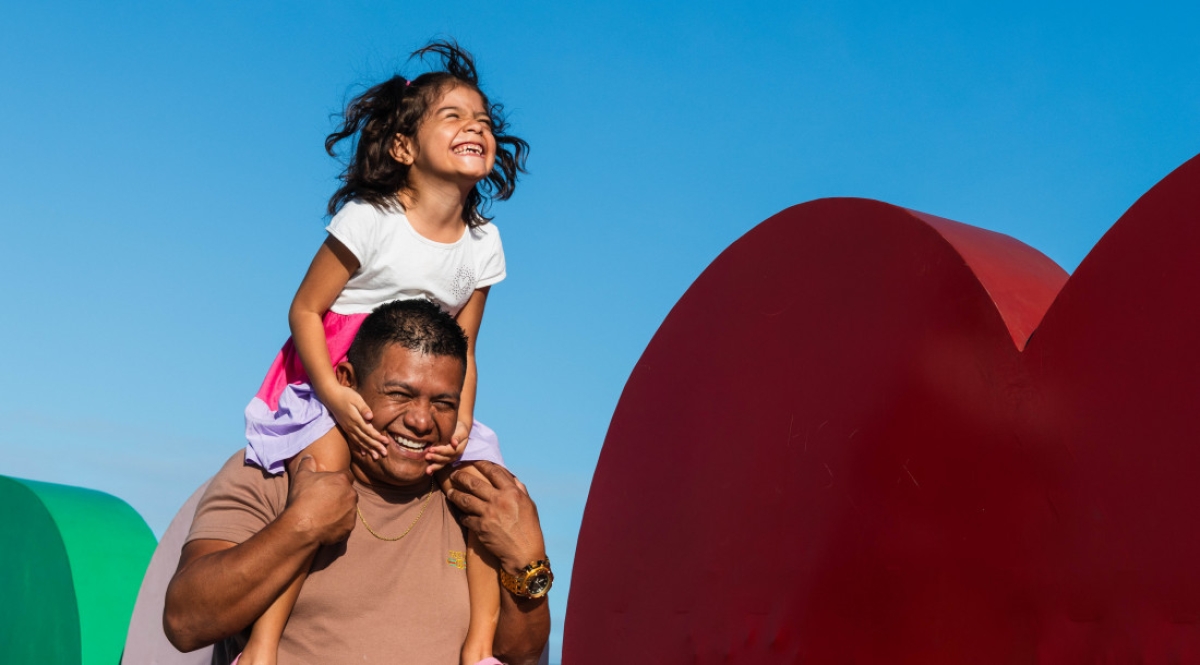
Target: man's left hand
point(498, 509)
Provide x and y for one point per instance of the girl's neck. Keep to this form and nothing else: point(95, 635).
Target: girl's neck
point(434, 210)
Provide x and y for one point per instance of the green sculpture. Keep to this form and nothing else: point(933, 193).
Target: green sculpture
point(71, 561)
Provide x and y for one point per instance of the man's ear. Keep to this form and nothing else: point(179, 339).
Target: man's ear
point(402, 150)
point(345, 374)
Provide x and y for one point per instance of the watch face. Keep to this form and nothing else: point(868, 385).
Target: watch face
point(538, 584)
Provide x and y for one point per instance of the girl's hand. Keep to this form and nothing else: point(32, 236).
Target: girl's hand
point(352, 413)
point(440, 456)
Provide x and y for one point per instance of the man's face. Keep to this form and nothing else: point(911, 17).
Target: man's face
point(413, 398)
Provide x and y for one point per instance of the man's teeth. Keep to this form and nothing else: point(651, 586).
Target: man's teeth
point(468, 149)
point(405, 443)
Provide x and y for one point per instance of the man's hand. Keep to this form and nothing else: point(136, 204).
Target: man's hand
point(323, 503)
point(498, 509)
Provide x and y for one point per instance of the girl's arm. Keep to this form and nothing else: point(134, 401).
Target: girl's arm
point(330, 270)
point(469, 318)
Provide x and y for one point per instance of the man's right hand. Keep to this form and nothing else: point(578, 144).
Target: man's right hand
point(322, 503)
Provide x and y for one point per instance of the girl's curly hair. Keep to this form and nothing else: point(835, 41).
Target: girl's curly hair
point(373, 119)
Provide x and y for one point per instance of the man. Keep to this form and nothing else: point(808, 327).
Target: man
point(393, 591)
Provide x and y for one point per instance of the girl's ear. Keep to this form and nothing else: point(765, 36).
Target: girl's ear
point(402, 150)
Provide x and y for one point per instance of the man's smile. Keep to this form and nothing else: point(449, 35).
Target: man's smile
point(408, 444)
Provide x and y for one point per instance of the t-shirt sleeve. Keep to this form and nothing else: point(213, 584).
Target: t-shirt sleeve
point(356, 226)
point(238, 503)
point(491, 265)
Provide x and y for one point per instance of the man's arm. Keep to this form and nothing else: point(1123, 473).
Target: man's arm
point(523, 629)
point(221, 587)
point(498, 509)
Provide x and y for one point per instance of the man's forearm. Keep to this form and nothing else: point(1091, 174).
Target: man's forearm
point(523, 629)
point(220, 588)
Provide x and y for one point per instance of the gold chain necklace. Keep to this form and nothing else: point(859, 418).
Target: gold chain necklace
point(410, 526)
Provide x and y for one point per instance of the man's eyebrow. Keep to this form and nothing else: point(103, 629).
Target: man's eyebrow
point(396, 383)
point(404, 385)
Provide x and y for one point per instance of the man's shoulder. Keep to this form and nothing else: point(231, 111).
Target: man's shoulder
point(240, 500)
point(237, 471)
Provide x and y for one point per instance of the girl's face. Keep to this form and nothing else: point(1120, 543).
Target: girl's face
point(454, 141)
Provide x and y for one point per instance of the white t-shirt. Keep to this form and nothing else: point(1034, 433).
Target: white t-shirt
point(397, 263)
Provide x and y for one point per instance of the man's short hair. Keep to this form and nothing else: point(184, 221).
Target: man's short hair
point(416, 324)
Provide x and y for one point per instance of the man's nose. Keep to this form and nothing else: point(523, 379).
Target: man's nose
point(419, 418)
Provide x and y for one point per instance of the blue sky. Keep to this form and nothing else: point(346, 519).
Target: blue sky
point(163, 185)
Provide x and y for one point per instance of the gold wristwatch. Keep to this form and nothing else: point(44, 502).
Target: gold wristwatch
point(533, 581)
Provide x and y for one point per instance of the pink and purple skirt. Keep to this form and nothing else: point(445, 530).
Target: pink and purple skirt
point(285, 416)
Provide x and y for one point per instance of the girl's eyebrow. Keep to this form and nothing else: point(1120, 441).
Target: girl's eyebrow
point(462, 110)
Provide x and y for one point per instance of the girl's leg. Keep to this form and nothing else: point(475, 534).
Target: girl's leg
point(263, 646)
point(483, 584)
point(330, 453)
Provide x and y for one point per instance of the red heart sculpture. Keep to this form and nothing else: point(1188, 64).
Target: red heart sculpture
point(856, 438)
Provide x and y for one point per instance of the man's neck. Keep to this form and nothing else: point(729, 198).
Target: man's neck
point(390, 490)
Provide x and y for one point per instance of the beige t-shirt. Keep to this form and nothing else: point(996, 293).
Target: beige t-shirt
point(367, 600)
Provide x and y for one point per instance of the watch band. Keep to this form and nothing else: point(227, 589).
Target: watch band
point(533, 581)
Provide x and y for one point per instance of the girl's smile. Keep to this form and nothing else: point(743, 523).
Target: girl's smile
point(469, 149)
point(454, 141)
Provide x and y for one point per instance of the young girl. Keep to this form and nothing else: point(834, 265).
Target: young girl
point(408, 222)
